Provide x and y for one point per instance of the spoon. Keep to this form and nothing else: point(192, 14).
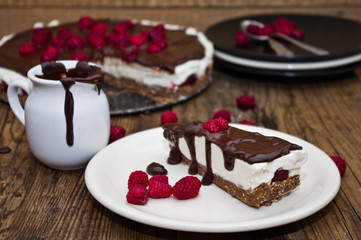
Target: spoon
point(304, 46)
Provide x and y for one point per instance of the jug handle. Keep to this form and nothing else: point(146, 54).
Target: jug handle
point(13, 97)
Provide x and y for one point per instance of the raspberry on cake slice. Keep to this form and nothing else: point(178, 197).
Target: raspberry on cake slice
point(251, 167)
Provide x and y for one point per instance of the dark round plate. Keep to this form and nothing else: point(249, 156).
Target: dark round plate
point(341, 37)
point(287, 74)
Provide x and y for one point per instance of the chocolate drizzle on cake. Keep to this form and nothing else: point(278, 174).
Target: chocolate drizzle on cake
point(251, 147)
point(82, 73)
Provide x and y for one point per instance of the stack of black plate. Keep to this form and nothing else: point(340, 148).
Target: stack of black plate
point(340, 37)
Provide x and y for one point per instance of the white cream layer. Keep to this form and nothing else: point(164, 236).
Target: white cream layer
point(248, 176)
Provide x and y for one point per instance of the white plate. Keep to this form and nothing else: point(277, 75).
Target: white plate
point(287, 66)
point(213, 210)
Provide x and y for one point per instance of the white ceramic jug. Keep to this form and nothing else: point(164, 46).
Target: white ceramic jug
point(46, 125)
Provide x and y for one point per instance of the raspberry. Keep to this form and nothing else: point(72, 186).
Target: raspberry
point(226, 115)
point(96, 41)
point(49, 54)
point(65, 33)
point(280, 175)
point(79, 56)
point(138, 178)
point(340, 163)
point(241, 38)
point(85, 23)
point(168, 117)
point(26, 48)
point(153, 48)
point(216, 125)
point(58, 42)
point(119, 40)
point(116, 132)
point(123, 27)
point(100, 29)
point(265, 30)
point(254, 29)
point(76, 42)
point(186, 188)
point(297, 33)
point(159, 189)
point(130, 53)
point(158, 31)
point(246, 122)
point(245, 101)
point(146, 33)
point(137, 40)
point(159, 178)
point(211, 127)
point(138, 195)
point(160, 42)
point(41, 36)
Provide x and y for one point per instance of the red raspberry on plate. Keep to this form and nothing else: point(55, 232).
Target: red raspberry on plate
point(96, 41)
point(159, 178)
point(75, 42)
point(49, 54)
point(85, 23)
point(138, 178)
point(245, 101)
point(116, 132)
point(226, 115)
point(137, 40)
point(186, 188)
point(254, 29)
point(160, 42)
point(79, 56)
point(158, 31)
point(265, 30)
point(26, 48)
point(130, 53)
point(246, 122)
point(58, 42)
point(153, 48)
point(138, 195)
point(64, 33)
point(119, 40)
point(100, 29)
point(168, 117)
point(340, 163)
point(241, 38)
point(41, 36)
point(159, 189)
point(280, 175)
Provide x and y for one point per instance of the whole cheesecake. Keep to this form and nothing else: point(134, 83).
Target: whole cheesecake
point(166, 62)
point(256, 169)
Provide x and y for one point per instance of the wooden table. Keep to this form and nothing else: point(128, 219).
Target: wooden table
point(37, 202)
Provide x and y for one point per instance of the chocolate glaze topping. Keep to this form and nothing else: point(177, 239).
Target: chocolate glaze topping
point(83, 73)
point(251, 147)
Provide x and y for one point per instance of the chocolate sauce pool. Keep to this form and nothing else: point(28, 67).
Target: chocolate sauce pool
point(251, 147)
point(83, 73)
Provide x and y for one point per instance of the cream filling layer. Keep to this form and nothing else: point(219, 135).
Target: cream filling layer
point(248, 176)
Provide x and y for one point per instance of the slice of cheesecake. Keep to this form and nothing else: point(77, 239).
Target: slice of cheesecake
point(251, 167)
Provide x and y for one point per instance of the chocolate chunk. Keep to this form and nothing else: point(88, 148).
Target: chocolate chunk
point(156, 169)
point(53, 70)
